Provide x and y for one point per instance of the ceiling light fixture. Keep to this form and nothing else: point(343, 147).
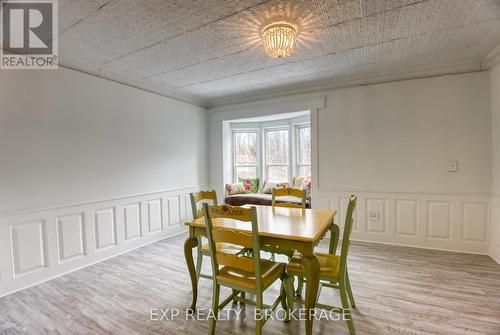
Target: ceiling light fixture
point(279, 39)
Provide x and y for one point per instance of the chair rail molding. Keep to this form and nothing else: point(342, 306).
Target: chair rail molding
point(452, 222)
point(36, 246)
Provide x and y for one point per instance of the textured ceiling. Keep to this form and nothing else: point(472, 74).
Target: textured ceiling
point(210, 52)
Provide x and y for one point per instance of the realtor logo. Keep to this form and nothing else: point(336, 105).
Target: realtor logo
point(29, 34)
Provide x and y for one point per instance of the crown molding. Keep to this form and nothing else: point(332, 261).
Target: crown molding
point(239, 100)
point(492, 59)
point(320, 87)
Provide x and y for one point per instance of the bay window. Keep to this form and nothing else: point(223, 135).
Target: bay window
point(275, 151)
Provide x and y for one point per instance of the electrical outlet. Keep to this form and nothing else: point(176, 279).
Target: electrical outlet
point(453, 166)
point(373, 216)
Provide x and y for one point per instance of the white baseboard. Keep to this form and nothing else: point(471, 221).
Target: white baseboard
point(419, 247)
point(40, 245)
point(495, 252)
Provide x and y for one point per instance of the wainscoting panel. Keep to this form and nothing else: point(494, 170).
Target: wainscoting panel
point(155, 221)
point(132, 221)
point(438, 221)
point(104, 229)
point(70, 237)
point(188, 213)
point(173, 210)
point(472, 214)
point(407, 218)
point(28, 247)
point(39, 245)
point(494, 232)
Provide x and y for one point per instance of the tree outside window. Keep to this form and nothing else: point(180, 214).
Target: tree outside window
point(245, 154)
point(277, 155)
point(304, 150)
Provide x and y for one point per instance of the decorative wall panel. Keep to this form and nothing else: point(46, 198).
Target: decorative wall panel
point(36, 246)
point(70, 236)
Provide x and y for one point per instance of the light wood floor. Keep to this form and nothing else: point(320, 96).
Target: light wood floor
point(398, 291)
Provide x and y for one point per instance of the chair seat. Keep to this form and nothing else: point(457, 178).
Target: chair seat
point(329, 265)
point(270, 272)
point(227, 248)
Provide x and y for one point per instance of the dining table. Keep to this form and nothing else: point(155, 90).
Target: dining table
point(289, 230)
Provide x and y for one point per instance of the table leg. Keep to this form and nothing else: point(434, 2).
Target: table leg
point(191, 243)
point(311, 268)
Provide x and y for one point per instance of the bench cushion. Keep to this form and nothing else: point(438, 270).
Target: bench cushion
point(258, 199)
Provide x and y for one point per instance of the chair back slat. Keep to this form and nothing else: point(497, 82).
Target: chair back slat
point(293, 192)
point(347, 233)
point(232, 236)
point(240, 262)
point(287, 205)
point(288, 191)
point(210, 196)
point(205, 195)
point(248, 240)
point(230, 212)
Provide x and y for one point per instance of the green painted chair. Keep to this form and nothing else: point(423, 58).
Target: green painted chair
point(203, 249)
point(333, 269)
point(294, 192)
point(332, 249)
point(240, 272)
point(281, 192)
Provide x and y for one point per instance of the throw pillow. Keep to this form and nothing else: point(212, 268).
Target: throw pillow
point(236, 188)
point(307, 185)
point(251, 185)
point(297, 181)
point(268, 186)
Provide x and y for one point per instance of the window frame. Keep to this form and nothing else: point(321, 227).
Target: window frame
point(289, 154)
point(298, 165)
point(257, 164)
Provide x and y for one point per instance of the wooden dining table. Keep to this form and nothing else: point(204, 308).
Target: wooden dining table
point(286, 229)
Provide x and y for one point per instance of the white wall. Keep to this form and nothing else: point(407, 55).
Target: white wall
point(390, 144)
point(399, 136)
point(89, 168)
point(67, 137)
point(495, 201)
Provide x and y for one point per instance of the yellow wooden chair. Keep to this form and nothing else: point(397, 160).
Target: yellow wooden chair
point(294, 192)
point(281, 192)
point(203, 249)
point(333, 270)
point(240, 272)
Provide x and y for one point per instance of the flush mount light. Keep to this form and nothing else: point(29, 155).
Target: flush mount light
point(279, 39)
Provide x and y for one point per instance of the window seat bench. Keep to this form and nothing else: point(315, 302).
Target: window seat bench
point(259, 199)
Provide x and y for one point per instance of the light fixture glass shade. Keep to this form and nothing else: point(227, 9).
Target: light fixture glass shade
point(279, 39)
